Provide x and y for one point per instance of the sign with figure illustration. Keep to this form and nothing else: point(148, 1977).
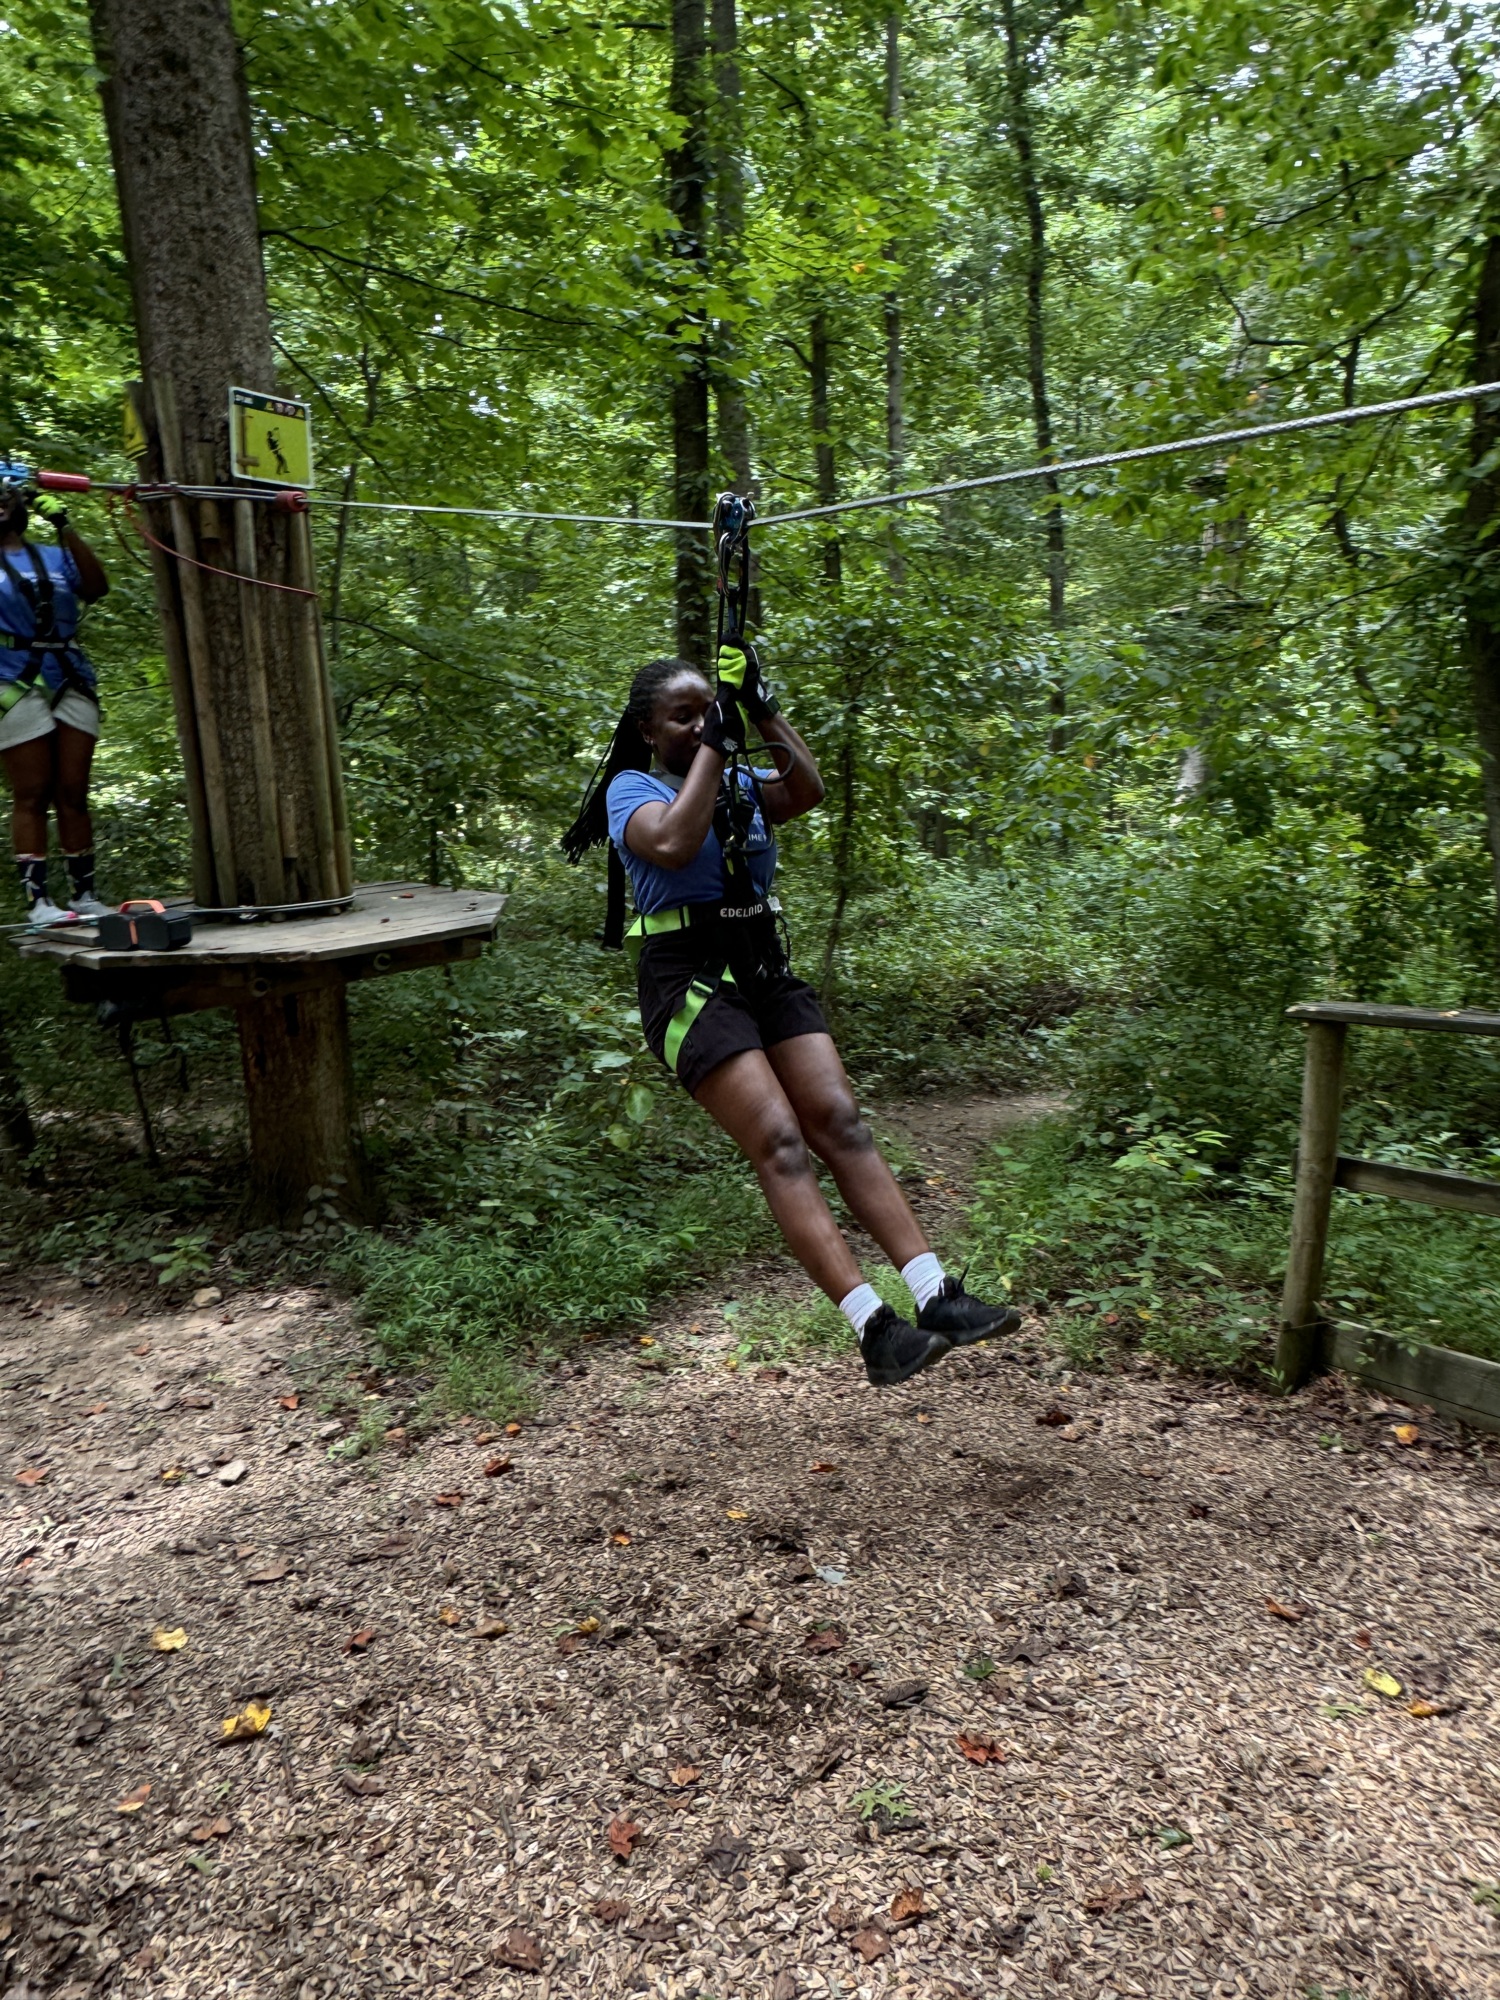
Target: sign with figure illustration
point(270, 439)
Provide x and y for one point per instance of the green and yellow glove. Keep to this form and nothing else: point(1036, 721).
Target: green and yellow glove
point(50, 509)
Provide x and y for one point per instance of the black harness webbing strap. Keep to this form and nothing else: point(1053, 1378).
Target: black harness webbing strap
point(37, 591)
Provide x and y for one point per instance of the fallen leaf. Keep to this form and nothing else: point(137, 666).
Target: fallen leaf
point(393, 1545)
point(822, 1466)
point(907, 1906)
point(144, 1348)
point(357, 1641)
point(32, 1476)
point(785, 1987)
point(726, 1854)
point(96, 1409)
point(620, 1538)
point(924, 1417)
point(133, 1801)
point(495, 1467)
point(1406, 1433)
point(1382, 1682)
point(1114, 1896)
point(271, 1572)
point(512, 1430)
point(980, 1749)
point(249, 1723)
point(1054, 1417)
point(519, 1949)
point(1293, 1613)
point(622, 1835)
point(828, 1639)
point(195, 1399)
point(165, 1641)
point(683, 1774)
point(290, 1402)
point(1363, 1639)
point(362, 1785)
point(172, 1475)
point(214, 1829)
point(450, 1616)
point(587, 1627)
point(491, 1628)
point(871, 1943)
point(233, 1473)
point(485, 1437)
point(610, 1910)
point(448, 1499)
point(1425, 1708)
point(737, 1513)
point(568, 1643)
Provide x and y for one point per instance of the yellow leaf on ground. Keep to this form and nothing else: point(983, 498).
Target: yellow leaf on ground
point(165, 1641)
point(250, 1721)
point(1423, 1708)
point(1382, 1682)
point(133, 1801)
point(172, 1475)
point(588, 1627)
point(449, 1616)
point(737, 1513)
point(1405, 1433)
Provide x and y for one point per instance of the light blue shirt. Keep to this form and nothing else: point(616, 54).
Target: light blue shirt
point(17, 615)
point(702, 880)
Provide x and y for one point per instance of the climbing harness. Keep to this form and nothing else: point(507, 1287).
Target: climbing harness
point(37, 591)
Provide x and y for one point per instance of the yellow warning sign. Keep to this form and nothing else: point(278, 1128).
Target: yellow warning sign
point(270, 439)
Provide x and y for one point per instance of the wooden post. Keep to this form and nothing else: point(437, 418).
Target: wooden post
point(1299, 1342)
point(248, 674)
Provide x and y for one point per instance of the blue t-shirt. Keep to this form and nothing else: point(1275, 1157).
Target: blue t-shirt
point(702, 881)
point(17, 615)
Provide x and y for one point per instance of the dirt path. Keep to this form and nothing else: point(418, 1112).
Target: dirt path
point(748, 1615)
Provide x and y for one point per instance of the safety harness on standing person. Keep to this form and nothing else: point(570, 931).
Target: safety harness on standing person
point(38, 593)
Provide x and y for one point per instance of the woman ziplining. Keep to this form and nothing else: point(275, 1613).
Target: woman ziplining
point(49, 703)
point(691, 828)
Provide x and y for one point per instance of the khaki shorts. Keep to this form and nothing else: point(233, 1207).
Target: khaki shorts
point(34, 716)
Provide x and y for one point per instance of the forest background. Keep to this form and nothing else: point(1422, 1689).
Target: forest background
point(1118, 765)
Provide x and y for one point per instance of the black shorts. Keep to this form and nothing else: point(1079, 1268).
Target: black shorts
point(694, 1022)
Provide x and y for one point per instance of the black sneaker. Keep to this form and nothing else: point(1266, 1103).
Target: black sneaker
point(962, 1319)
point(895, 1350)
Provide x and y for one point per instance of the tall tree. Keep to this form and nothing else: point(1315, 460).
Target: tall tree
point(1023, 144)
point(688, 175)
point(250, 689)
point(895, 393)
point(1481, 522)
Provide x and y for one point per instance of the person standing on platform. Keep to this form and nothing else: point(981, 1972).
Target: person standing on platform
point(49, 704)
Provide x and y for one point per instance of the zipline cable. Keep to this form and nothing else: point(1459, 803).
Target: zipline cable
point(296, 502)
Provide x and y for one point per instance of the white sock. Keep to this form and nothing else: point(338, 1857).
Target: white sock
point(858, 1305)
point(923, 1276)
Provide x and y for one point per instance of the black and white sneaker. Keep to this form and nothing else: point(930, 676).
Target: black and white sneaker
point(961, 1319)
point(895, 1350)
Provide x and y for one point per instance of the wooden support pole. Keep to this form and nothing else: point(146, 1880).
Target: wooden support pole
point(298, 1044)
point(1300, 1340)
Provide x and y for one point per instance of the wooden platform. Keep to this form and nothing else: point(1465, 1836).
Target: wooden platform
point(388, 927)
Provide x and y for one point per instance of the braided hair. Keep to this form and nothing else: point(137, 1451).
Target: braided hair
point(628, 751)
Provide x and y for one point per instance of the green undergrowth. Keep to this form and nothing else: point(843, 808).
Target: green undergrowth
point(1153, 1248)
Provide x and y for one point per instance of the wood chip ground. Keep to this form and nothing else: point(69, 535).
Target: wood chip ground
point(1182, 1792)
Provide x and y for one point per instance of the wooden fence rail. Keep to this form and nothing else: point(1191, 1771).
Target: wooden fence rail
point(1309, 1340)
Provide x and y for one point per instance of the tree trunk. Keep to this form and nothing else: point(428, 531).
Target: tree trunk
point(1481, 523)
point(729, 203)
point(823, 461)
point(1019, 101)
point(687, 175)
point(895, 409)
point(250, 685)
point(294, 1052)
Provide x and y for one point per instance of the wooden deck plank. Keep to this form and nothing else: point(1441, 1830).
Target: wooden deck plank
point(1415, 1020)
point(394, 917)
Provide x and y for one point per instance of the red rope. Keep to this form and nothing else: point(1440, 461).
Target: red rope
point(260, 582)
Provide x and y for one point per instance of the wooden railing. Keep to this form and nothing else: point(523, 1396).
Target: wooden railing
point(1457, 1385)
